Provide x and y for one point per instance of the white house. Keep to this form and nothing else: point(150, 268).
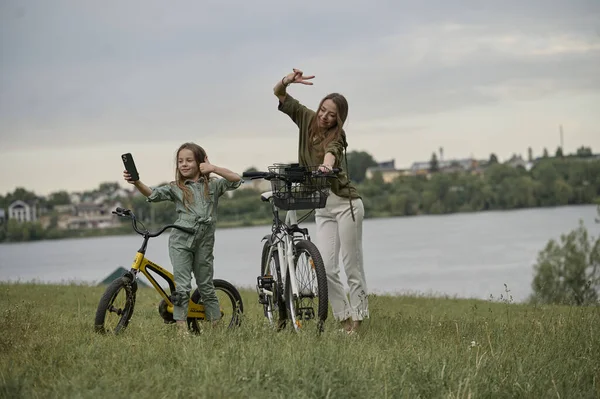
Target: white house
point(75, 198)
point(22, 211)
point(90, 216)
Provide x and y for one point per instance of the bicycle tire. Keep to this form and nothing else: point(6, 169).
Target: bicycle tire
point(296, 306)
point(236, 301)
point(106, 306)
point(278, 291)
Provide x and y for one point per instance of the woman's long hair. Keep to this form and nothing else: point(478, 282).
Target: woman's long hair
point(199, 157)
point(334, 133)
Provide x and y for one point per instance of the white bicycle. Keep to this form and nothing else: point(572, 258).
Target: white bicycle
point(292, 284)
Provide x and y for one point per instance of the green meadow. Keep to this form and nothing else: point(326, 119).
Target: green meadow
point(412, 347)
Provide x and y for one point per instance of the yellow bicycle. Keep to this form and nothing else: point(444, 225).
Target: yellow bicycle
point(118, 301)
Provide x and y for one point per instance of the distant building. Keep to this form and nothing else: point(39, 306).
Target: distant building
point(122, 193)
point(517, 160)
point(75, 198)
point(388, 171)
point(88, 215)
point(22, 211)
point(62, 209)
point(447, 166)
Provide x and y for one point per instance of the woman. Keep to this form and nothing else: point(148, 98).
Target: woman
point(339, 224)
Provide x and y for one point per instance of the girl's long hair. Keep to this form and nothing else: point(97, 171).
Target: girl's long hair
point(336, 132)
point(199, 157)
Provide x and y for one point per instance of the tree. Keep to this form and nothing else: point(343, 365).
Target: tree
point(21, 194)
point(378, 179)
point(568, 273)
point(24, 231)
point(529, 154)
point(358, 163)
point(498, 172)
point(433, 163)
point(559, 152)
point(59, 198)
point(545, 173)
point(108, 187)
point(493, 159)
point(545, 153)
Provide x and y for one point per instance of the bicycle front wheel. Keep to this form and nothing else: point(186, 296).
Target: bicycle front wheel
point(310, 304)
point(116, 306)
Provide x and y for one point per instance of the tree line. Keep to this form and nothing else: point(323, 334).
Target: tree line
point(552, 181)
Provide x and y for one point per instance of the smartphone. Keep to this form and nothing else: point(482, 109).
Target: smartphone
point(130, 166)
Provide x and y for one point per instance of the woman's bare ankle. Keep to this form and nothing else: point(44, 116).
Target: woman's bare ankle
point(347, 324)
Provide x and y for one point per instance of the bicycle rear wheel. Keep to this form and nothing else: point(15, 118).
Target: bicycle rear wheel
point(116, 306)
point(230, 302)
point(310, 307)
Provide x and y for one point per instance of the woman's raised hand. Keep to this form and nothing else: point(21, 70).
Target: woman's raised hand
point(297, 76)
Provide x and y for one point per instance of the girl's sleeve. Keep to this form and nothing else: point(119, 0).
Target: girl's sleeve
point(224, 185)
point(296, 111)
point(160, 193)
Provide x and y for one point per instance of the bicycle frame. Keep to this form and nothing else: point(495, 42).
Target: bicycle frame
point(144, 265)
point(284, 235)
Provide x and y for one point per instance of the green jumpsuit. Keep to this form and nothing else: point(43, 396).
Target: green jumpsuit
point(193, 253)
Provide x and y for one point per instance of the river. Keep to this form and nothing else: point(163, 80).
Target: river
point(466, 255)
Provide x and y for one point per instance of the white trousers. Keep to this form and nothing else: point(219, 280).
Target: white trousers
point(337, 234)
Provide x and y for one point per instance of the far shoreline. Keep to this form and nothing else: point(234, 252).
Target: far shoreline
point(126, 230)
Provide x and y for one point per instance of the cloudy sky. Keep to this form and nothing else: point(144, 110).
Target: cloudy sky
point(83, 82)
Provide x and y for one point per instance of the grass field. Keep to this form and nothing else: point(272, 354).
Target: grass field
point(411, 347)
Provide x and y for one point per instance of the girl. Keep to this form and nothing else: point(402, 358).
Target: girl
point(339, 225)
point(195, 196)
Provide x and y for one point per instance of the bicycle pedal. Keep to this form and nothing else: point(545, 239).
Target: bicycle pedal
point(265, 282)
point(262, 298)
point(305, 313)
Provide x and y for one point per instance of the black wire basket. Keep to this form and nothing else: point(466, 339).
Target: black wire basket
point(296, 187)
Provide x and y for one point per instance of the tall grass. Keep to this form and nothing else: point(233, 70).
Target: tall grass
point(411, 347)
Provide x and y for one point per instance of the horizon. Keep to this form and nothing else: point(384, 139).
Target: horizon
point(124, 185)
point(82, 83)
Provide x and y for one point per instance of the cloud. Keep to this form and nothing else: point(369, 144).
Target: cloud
point(80, 75)
point(436, 68)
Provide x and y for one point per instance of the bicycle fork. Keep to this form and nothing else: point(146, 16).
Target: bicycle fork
point(289, 265)
point(265, 284)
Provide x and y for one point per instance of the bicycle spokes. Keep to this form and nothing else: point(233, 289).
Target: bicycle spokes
point(310, 303)
point(306, 279)
point(116, 306)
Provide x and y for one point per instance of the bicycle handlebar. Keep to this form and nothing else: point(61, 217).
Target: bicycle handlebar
point(255, 175)
point(273, 175)
point(122, 212)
